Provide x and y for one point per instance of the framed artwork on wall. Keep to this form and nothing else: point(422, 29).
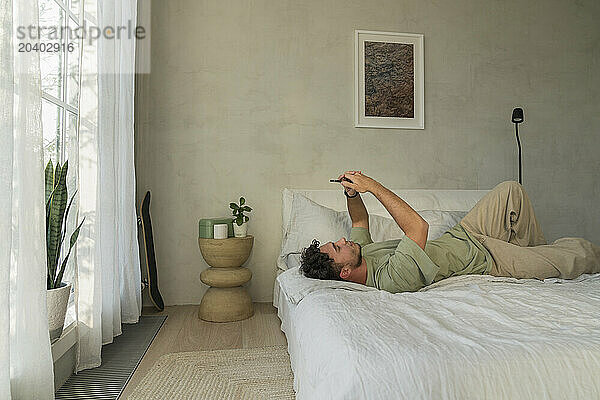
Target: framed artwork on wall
point(389, 80)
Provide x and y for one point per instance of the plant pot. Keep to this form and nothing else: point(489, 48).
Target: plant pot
point(56, 305)
point(240, 230)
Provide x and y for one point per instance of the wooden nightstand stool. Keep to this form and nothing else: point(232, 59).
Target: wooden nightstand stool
point(226, 300)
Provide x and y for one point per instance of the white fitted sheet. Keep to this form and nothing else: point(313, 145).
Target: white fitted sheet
point(285, 312)
point(467, 337)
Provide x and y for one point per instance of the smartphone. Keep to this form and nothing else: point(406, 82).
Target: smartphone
point(339, 180)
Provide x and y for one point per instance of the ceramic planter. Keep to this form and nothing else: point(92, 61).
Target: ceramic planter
point(56, 304)
point(240, 230)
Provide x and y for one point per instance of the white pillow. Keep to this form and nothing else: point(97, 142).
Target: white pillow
point(296, 286)
point(440, 221)
point(309, 220)
point(383, 228)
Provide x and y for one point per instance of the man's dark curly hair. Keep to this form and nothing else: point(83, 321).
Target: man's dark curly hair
point(318, 265)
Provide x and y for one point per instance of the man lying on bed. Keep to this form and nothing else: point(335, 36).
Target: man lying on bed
point(500, 236)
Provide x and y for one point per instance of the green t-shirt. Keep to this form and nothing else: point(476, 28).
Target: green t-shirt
point(402, 266)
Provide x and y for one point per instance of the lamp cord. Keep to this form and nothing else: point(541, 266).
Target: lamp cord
point(519, 144)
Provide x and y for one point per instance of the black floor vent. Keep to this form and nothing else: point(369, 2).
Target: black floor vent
point(119, 361)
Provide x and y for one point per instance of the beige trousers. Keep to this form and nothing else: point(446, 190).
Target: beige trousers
point(504, 222)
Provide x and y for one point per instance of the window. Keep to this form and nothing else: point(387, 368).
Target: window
point(60, 60)
point(60, 74)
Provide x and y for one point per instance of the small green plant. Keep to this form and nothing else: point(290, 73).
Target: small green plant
point(239, 210)
point(57, 212)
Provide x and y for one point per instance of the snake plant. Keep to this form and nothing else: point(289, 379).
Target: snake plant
point(57, 212)
point(238, 211)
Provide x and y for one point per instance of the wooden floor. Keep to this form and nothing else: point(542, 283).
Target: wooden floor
point(184, 331)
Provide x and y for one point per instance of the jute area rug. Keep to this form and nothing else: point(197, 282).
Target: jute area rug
point(258, 373)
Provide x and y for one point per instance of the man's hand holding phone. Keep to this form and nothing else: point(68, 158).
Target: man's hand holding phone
point(349, 191)
point(357, 182)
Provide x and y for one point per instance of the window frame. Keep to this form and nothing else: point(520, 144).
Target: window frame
point(67, 109)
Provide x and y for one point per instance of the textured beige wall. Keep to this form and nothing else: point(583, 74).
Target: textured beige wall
point(248, 97)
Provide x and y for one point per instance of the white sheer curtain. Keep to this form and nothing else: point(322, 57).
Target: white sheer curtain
point(108, 268)
point(25, 358)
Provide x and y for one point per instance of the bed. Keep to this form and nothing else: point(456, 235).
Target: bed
point(468, 337)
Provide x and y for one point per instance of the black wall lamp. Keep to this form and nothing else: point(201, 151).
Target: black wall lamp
point(517, 118)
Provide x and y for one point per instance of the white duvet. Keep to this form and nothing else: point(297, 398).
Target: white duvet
point(469, 337)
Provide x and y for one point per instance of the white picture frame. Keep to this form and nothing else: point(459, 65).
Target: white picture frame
point(385, 110)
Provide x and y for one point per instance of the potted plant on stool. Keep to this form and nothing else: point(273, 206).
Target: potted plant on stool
point(240, 225)
point(57, 211)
